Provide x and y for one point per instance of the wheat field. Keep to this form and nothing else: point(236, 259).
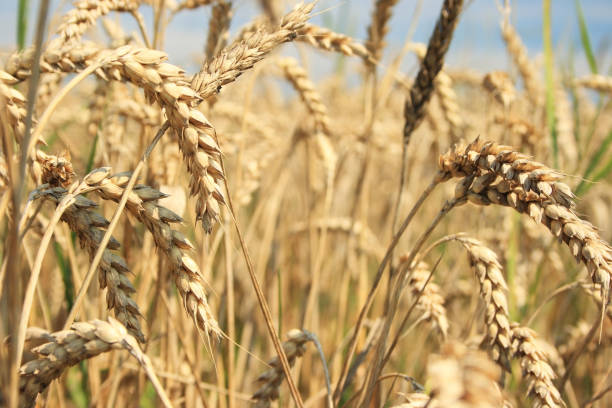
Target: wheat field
point(250, 234)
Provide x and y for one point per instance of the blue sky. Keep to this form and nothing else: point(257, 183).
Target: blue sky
point(477, 43)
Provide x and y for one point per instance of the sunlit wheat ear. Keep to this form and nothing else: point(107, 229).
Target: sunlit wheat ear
point(86, 12)
point(143, 205)
point(294, 347)
point(596, 82)
point(493, 290)
point(220, 19)
point(459, 377)
point(533, 189)
point(242, 56)
point(379, 27)
point(298, 77)
point(536, 369)
point(113, 271)
point(328, 40)
point(500, 86)
point(518, 52)
point(431, 302)
point(67, 348)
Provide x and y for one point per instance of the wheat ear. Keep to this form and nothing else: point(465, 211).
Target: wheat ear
point(423, 86)
point(220, 19)
point(533, 189)
point(536, 369)
point(298, 77)
point(294, 347)
point(379, 27)
point(518, 52)
point(66, 348)
point(113, 270)
point(328, 40)
point(430, 300)
point(241, 56)
point(596, 82)
point(460, 377)
point(142, 204)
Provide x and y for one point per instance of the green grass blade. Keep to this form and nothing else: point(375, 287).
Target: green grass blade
point(66, 272)
point(585, 39)
point(92, 154)
point(22, 23)
point(550, 91)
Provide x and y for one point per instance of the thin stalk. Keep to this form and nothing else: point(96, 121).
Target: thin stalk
point(380, 351)
point(263, 304)
point(366, 307)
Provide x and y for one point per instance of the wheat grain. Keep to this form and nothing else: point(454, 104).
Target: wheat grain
point(379, 27)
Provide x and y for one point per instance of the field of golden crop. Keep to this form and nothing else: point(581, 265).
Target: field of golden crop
point(247, 236)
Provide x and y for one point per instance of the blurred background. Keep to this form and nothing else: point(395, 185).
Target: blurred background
point(477, 44)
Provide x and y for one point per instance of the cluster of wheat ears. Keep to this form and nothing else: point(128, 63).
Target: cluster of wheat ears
point(221, 209)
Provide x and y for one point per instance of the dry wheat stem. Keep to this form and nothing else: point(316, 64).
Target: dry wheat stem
point(398, 285)
point(82, 341)
point(341, 383)
point(265, 309)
